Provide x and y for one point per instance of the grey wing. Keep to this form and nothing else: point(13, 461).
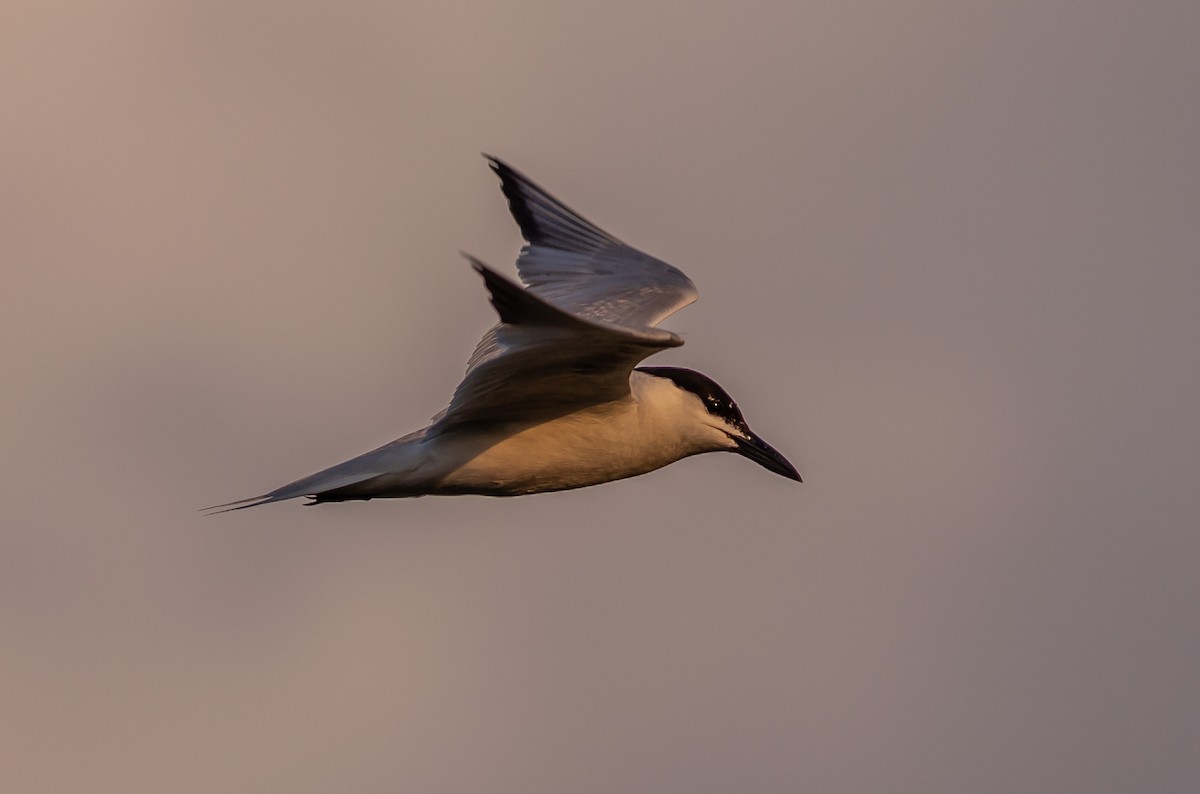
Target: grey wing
point(541, 361)
point(579, 267)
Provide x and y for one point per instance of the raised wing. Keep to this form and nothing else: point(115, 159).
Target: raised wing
point(579, 267)
point(541, 362)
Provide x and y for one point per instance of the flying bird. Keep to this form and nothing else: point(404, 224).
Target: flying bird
point(553, 397)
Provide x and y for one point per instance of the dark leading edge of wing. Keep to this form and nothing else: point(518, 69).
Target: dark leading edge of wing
point(544, 220)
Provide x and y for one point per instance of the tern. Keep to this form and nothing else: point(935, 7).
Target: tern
point(553, 398)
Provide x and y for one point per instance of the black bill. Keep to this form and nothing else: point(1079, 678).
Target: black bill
point(766, 456)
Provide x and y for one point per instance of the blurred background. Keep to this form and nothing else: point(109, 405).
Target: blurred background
point(949, 262)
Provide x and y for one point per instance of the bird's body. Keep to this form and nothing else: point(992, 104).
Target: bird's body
point(552, 399)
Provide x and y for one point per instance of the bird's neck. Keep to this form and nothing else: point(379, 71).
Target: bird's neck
point(666, 414)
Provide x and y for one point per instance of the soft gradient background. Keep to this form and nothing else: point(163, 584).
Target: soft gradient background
point(949, 256)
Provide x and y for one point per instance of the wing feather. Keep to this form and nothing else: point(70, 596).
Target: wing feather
point(579, 267)
point(541, 361)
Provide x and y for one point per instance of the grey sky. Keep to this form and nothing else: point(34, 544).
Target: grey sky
point(949, 264)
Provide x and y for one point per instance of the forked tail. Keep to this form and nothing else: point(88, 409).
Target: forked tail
point(336, 483)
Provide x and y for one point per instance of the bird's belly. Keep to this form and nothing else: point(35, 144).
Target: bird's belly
point(557, 456)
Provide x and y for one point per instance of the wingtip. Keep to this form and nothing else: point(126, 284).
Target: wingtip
point(497, 286)
point(501, 168)
point(477, 265)
point(510, 178)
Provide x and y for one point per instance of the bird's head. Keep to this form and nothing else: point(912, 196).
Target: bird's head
point(720, 421)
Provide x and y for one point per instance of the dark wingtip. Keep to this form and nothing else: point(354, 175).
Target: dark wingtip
point(510, 185)
point(495, 163)
point(502, 169)
point(479, 267)
point(514, 305)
